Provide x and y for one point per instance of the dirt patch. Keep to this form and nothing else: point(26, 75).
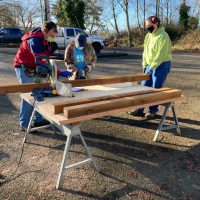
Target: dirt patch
point(132, 166)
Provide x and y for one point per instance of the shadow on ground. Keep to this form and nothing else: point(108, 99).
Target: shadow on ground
point(172, 171)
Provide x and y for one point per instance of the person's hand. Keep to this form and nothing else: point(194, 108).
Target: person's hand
point(72, 67)
point(66, 74)
point(89, 68)
point(148, 71)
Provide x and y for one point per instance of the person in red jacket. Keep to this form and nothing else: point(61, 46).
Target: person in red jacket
point(34, 45)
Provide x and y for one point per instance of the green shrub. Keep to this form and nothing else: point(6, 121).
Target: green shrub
point(193, 22)
point(175, 31)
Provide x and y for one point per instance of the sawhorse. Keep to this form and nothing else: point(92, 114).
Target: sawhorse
point(70, 131)
point(161, 128)
point(74, 130)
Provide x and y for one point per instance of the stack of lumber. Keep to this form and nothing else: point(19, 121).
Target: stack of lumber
point(88, 108)
point(104, 96)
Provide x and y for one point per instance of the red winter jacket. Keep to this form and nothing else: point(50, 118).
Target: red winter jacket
point(33, 45)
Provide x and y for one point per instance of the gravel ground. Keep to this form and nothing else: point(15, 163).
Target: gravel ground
point(132, 166)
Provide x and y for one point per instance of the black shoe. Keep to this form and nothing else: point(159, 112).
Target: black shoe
point(42, 123)
point(136, 113)
point(150, 115)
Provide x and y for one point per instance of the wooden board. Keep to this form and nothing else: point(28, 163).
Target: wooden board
point(45, 107)
point(75, 83)
point(64, 121)
point(99, 107)
point(58, 107)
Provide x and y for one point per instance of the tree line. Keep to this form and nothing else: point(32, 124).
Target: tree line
point(106, 15)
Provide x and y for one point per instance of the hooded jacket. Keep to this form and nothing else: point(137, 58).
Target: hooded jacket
point(33, 45)
point(157, 49)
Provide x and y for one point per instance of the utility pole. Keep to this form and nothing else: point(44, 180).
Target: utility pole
point(47, 10)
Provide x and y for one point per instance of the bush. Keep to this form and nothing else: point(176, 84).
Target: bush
point(189, 42)
point(136, 34)
point(175, 31)
point(193, 22)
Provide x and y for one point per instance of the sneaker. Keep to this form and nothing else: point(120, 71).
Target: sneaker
point(136, 113)
point(24, 129)
point(41, 123)
point(150, 115)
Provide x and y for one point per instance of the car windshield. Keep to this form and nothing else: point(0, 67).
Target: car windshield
point(70, 32)
point(79, 31)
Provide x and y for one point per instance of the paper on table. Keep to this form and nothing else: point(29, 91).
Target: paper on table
point(76, 89)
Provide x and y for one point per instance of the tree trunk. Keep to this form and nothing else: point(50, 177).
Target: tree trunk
point(137, 12)
point(171, 11)
point(157, 8)
point(144, 7)
point(126, 2)
point(167, 10)
point(114, 16)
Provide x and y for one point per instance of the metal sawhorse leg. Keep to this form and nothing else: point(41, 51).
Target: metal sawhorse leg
point(70, 131)
point(29, 129)
point(176, 125)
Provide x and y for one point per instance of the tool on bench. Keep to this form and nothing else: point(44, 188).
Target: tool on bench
point(43, 66)
point(47, 68)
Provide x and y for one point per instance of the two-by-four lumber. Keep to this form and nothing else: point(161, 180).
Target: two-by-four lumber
point(58, 107)
point(75, 83)
point(115, 104)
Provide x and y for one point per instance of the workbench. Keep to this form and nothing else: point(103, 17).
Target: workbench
point(98, 101)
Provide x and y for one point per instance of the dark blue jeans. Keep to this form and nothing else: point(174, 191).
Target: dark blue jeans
point(157, 80)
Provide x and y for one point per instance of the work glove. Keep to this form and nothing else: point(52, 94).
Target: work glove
point(148, 71)
point(66, 74)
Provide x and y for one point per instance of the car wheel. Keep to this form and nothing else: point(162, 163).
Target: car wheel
point(97, 47)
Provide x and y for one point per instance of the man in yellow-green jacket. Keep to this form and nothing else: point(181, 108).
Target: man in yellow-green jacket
point(157, 58)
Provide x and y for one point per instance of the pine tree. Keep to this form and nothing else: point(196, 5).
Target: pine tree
point(70, 13)
point(183, 15)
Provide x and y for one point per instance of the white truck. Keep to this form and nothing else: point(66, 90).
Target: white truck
point(65, 35)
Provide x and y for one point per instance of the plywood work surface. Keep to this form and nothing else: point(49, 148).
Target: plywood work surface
point(45, 107)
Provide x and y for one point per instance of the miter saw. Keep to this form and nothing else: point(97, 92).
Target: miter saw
point(47, 68)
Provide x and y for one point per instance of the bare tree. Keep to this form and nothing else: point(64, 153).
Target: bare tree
point(144, 16)
point(167, 13)
point(7, 16)
point(125, 5)
point(137, 12)
point(157, 8)
point(113, 7)
point(27, 17)
point(93, 13)
point(18, 15)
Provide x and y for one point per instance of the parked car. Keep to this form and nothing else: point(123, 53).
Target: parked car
point(66, 35)
point(10, 35)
